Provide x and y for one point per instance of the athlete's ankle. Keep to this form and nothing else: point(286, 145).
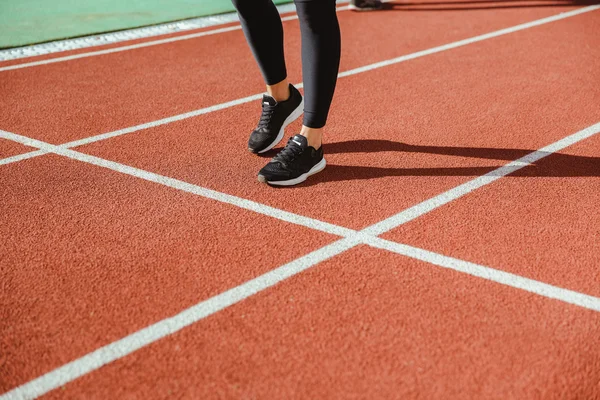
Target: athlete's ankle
point(279, 91)
point(314, 136)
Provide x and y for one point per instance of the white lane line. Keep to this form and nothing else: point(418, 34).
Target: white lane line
point(22, 157)
point(119, 49)
point(81, 43)
point(161, 329)
point(131, 343)
point(127, 345)
point(126, 35)
point(471, 40)
point(355, 71)
point(164, 121)
point(147, 125)
point(138, 45)
point(183, 186)
point(490, 274)
point(159, 29)
point(435, 202)
point(366, 234)
point(32, 388)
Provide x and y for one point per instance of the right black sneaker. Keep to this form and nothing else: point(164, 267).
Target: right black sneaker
point(296, 162)
point(273, 120)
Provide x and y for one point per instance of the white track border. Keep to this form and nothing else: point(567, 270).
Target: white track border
point(350, 239)
point(140, 33)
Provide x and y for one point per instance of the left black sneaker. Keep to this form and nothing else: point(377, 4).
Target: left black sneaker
point(296, 162)
point(365, 5)
point(273, 120)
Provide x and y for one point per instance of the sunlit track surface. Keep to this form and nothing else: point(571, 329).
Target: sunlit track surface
point(447, 251)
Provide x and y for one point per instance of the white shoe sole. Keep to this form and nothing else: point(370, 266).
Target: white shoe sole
point(320, 166)
point(291, 118)
point(352, 7)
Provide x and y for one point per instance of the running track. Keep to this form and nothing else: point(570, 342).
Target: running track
point(449, 250)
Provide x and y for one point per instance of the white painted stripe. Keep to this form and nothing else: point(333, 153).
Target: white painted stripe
point(152, 124)
point(183, 186)
point(355, 71)
point(126, 35)
point(364, 235)
point(119, 49)
point(131, 343)
point(63, 374)
point(490, 274)
point(129, 34)
point(138, 45)
point(127, 345)
point(162, 121)
point(22, 157)
point(347, 73)
point(471, 40)
point(373, 230)
point(435, 202)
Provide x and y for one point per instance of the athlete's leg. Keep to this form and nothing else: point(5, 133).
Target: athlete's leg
point(303, 155)
point(264, 32)
point(283, 104)
point(321, 47)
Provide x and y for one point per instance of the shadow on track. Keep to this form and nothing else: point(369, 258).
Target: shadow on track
point(555, 165)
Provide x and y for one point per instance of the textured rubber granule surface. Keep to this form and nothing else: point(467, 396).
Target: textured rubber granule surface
point(541, 222)
point(80, 98)
point(397, 135)
point(368, 324)
point(9, 148)
point(90, 255)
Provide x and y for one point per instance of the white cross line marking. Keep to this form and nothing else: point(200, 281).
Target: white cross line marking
point(21, 157)
point(352, 238)
point(487, 273)
point(109, 353)
point(370, 67)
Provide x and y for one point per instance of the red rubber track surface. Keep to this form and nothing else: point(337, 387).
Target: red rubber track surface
point(80, 98)
point(542, 222)
point(9, 148)
point(116, 45)
point(413, 116)
point(370, 325)
point(89, 255)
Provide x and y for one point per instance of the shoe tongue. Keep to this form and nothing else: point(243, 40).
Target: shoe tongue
point(300, 141)
point(269, 100)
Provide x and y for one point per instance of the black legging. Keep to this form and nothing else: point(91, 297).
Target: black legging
point(320, 49)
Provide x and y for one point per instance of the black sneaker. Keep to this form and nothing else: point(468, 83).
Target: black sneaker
point(273, 120)
point(365, 5)
point(296, 162)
